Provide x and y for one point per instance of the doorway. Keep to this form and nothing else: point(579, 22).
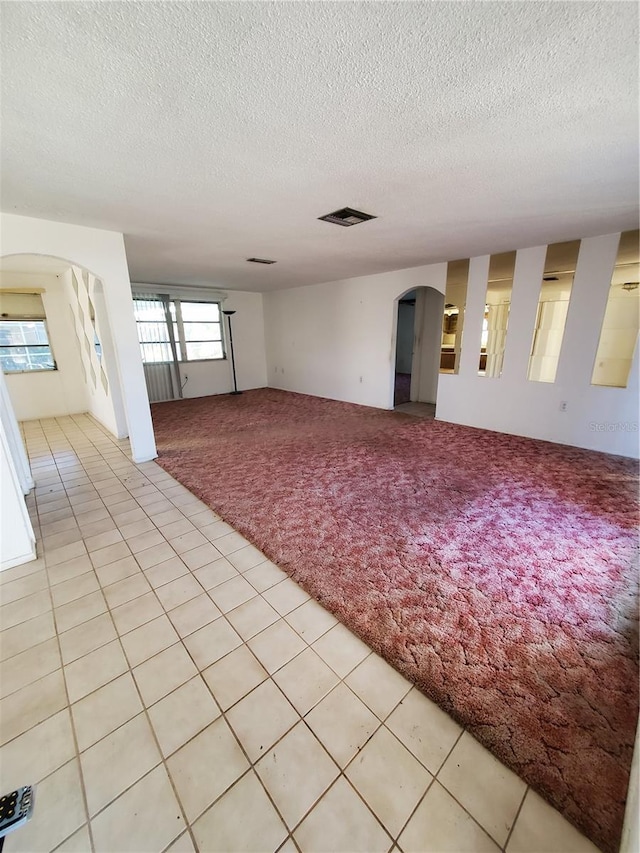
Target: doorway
point(417, 351)
point(56, 341)
point(404, 348)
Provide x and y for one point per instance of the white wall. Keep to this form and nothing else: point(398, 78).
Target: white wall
point(109, 363)
point(103, 254)
point(338, 339)
point(597, 418)
point(48, 393)
point(15, 443)
point(426, 368)
point(17, 540)
point(202, 378)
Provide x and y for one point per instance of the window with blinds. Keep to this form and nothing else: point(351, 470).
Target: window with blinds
point(178, 329)
point(24, 340)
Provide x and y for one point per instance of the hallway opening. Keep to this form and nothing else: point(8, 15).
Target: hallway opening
point(418, 342)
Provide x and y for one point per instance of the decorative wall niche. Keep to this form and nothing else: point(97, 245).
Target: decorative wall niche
point(455, 301)
point(555, 294)
point(619, 332)
point(496, 314)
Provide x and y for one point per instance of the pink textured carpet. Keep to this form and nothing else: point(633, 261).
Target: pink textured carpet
point(495, 572)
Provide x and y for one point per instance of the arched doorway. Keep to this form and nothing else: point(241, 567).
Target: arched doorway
point(56, 344)
point(418, 342)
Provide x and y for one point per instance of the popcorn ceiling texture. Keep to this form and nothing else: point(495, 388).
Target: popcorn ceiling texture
point(211, 132)
point(496, 572)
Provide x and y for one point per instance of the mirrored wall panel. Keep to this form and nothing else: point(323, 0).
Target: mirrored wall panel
point(553, 305)
point(619, 331)
point(455, 300)
point(496, 314)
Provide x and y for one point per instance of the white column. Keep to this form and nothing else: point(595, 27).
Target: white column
point(109, 358)
point(589, 295)
point(119, 304)
point(474, 315)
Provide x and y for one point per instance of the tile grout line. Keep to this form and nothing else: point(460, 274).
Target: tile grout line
point(434, 777)
point(72, 721)
point(155, 739)
point(308, 645)
point(515, 819)
point(163, 760)
point(382, 724)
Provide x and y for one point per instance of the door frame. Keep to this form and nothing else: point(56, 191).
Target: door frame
point(425, 326)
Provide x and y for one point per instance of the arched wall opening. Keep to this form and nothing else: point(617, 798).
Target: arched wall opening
point(56, 343)
point(102, 254)
point(416, 346)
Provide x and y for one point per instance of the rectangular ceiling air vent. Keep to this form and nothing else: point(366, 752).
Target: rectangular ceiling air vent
point(347, 216)
point(259, 261)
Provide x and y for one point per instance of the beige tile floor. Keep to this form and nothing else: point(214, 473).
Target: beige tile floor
point(169, 689)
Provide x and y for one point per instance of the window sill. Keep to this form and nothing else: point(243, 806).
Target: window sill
point(201, 360)
point(33, 370)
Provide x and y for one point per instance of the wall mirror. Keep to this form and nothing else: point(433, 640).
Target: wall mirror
point(496, 314)
point(455, 300)
point(555, 293)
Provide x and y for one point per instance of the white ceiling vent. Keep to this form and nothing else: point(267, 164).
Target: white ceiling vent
point(347, 216)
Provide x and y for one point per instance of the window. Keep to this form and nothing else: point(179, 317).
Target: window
point(153, 331)
point(24, 345)
point(201, 336)
point(24, 342)
point(193, 329)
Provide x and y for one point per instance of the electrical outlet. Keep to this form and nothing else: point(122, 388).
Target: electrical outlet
point(563, 406)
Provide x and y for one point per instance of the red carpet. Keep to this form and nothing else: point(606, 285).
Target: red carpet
point(495, 572)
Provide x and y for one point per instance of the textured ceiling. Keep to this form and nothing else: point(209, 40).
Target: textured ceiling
point(212, 132)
